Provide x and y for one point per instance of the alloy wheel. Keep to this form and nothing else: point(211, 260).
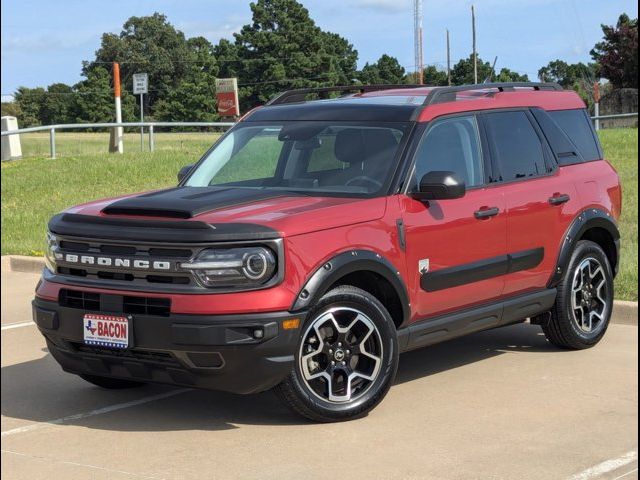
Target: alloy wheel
point(590, 296)
point(340, 355)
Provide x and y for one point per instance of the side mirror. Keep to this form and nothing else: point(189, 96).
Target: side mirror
point(439, 185)
point(184, 171)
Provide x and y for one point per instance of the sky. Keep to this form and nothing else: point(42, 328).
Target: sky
point(45, 41)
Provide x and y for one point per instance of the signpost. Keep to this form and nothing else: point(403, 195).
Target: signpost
point(140, 87)
point(227, 97)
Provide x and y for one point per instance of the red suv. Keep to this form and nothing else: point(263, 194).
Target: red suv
point(317, 240)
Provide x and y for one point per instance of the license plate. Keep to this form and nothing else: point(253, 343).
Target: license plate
point(106, 330)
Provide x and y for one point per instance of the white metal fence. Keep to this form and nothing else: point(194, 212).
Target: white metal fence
point(86, 126)
point(152, 125)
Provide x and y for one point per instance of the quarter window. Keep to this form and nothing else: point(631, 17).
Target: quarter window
point(577, 125)
point(517, 148)
point(452, 145)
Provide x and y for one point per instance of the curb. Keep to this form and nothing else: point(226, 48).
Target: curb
point(22, 263)
point(625, 313)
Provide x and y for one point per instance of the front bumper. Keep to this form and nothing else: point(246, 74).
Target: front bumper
point(217, 352)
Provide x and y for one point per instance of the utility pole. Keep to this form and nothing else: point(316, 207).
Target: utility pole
point(417, 40)
point(116, 94)
point(475, 54)
point(448, 60)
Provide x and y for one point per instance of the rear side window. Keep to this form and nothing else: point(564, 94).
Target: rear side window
point(577, 125)
point(516, 146)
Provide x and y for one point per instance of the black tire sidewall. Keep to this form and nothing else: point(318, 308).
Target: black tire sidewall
point(583, 250)
point(352, 297)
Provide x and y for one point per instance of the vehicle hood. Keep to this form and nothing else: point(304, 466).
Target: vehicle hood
point(287, 213)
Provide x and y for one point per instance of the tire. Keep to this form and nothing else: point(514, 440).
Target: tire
point(111, 383)
point(364, 352)
point(576, 328)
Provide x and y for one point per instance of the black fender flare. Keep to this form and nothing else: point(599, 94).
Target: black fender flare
point(343, 264)
point(586, 220)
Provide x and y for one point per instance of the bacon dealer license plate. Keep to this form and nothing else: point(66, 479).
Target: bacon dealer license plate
point(106, 330)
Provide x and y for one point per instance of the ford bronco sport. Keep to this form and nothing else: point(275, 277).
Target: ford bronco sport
point(321, 237)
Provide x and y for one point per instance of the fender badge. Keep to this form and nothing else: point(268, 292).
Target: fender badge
point(423, 266)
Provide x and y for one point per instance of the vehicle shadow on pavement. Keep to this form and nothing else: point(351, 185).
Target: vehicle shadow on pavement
point(473, 348)
point(38, 391)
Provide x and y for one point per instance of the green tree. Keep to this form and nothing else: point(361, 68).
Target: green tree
point(507, 75)
point(283, 48)
point(387, 70)
point(462, 73)
point(29, 101)
point(433, 76)
point(10, 109)
point(58, 105)
point(617, 54)
point(568, 75)
point(193, 99)
point(94, 98)
point(146, 45)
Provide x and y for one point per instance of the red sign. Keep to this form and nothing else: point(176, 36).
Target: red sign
point(227, 97)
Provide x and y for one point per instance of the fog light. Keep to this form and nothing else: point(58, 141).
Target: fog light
point(258, 333)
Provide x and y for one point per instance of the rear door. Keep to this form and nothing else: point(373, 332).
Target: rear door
point(455, 249)
point(540, 201)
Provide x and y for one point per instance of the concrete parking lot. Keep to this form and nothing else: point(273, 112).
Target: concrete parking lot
point(501, 404)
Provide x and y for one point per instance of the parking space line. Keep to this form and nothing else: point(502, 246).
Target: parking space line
point(75, 464)
point(625, 474)
point(606, 466)
point(99, 411)
point(10, 326)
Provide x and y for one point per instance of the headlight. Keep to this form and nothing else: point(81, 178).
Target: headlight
point(49, 256)
point(243, 266)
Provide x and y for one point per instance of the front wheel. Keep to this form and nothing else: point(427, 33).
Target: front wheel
point(346, 360)
point(584, 303)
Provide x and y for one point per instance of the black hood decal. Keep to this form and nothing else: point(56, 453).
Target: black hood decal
point(186, 202)
point(143, 230)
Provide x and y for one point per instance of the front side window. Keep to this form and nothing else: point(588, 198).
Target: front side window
point(451, 145)
point(310, 157)
point(517, 148)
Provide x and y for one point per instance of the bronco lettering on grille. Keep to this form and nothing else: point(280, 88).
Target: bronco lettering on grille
point(114, 261)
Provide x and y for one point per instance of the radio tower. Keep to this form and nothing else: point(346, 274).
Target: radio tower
point(417, 39)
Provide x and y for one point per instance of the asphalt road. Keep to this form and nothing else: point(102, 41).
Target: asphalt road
point(502, 404)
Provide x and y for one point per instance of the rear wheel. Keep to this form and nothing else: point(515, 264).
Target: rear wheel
point(583, 307)
point(111, 383)
point(346, 360)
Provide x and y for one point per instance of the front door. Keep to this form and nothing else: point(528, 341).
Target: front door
point(455, 249)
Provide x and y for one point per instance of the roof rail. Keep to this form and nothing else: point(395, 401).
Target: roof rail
point(446, 94)
point(299, 95)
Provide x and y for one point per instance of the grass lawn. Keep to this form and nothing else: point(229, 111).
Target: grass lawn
point(35, 188)
point(621, 149)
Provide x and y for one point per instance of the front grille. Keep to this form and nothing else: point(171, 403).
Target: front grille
point(126, 304)
point(126, 276)
point(127, 354)
point(78, 299)
point(146, 305)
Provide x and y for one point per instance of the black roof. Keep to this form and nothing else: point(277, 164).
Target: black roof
point(370, 109)
point(293, 104)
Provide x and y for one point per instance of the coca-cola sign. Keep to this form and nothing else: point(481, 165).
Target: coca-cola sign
point(227, 97)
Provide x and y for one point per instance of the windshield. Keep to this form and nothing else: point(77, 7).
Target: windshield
point(308, 157)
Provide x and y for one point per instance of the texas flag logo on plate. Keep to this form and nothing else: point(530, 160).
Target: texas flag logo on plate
point(106, 330)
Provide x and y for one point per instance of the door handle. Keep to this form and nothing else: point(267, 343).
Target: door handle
point(559, 199)
point(486, 213)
